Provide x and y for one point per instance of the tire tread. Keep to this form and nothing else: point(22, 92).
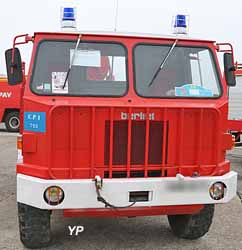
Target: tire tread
point(192, 226)
point(34, 226)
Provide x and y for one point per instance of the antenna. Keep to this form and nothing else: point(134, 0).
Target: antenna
point(116, 16)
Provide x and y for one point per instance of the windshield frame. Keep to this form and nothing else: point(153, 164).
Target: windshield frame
point(37, 49)
point(217, 72)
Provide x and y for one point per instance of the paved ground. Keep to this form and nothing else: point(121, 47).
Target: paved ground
point(134, 233)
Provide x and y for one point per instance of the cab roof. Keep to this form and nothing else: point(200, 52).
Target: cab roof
point(128, 34)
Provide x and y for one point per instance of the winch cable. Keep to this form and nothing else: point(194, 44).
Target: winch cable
point(98, 185)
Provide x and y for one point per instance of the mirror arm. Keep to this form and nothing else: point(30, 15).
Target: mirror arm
point(27, 39)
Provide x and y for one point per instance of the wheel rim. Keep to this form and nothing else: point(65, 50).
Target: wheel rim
point(14, 122)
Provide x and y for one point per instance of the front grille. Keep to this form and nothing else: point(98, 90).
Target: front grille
point(138, 137)
point(124, 142)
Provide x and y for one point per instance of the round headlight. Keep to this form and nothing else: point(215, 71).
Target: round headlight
point(54, 195)
point(217, 190)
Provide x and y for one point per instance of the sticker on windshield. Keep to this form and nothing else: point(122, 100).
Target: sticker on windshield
point(47, 87)
point(58, 79)
point(44, 87)
point(192, 90)
point(87, 58)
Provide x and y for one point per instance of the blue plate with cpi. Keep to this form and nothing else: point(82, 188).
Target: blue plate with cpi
point(35, 121)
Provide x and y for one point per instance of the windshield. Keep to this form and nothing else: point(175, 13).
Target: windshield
point(98, 69)
point(188, 72)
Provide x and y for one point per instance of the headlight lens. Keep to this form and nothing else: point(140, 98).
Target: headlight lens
point(217, 190)
point(54, 195)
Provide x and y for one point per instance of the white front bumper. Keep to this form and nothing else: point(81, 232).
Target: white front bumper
point(166, 191)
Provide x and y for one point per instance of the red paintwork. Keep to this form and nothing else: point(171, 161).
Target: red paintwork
point(137, 211)
point(236, 125)
point(12, 102)
point(73, 145)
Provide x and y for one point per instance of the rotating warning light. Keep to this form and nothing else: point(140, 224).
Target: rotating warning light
point(68, 14)
point(180, 21)
point(180, 24)
point(68, 18)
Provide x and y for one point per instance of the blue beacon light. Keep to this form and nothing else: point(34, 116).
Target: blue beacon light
point(68, 19)
point(68, 14)
point(180, 24)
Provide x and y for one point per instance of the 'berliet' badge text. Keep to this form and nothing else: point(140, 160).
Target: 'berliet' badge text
point(137, 116)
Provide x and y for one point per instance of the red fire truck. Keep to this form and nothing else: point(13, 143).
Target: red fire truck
point(122, 125)
point(235, 106)
point(10, 105)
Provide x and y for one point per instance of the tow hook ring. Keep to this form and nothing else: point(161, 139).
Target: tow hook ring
point(98, 181)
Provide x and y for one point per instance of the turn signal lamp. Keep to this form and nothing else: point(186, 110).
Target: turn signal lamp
point(19, 149)
point(20, 142)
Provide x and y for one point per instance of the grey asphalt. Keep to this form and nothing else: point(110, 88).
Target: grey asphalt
point(115, 233)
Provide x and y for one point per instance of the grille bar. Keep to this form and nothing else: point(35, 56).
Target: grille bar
point(71, 141)
point(129, 142)
point(181, 128)
point(164, 142)
point(199, 136)
point(147, 136)
point(111, 144)
point(92, 166)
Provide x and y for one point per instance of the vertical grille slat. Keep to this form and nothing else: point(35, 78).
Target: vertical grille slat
point(147, 138)
point(129, 142)
point(164, 142)
point(180, 145)
point(93, 112)
point(71, 140)
point(111, 143)
point(199, 136)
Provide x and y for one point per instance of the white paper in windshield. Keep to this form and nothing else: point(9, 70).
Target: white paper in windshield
point(87, 58)
point(58, 79)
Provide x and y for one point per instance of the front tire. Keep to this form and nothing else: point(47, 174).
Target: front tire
point(34, 226)
point(192, 226)
point(12, 121)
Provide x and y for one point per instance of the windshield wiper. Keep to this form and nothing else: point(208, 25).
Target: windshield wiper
point(163, 62)
point(72, 61)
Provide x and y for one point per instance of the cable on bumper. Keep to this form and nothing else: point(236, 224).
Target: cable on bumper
point(98, 186)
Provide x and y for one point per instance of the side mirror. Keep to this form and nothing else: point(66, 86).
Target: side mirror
point(229, 69)
point(14, 66)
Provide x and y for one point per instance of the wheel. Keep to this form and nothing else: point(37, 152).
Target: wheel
point(12, 121)
point(192, 226)
point(34, 226)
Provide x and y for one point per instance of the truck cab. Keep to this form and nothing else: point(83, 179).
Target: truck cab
point(122, 125)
